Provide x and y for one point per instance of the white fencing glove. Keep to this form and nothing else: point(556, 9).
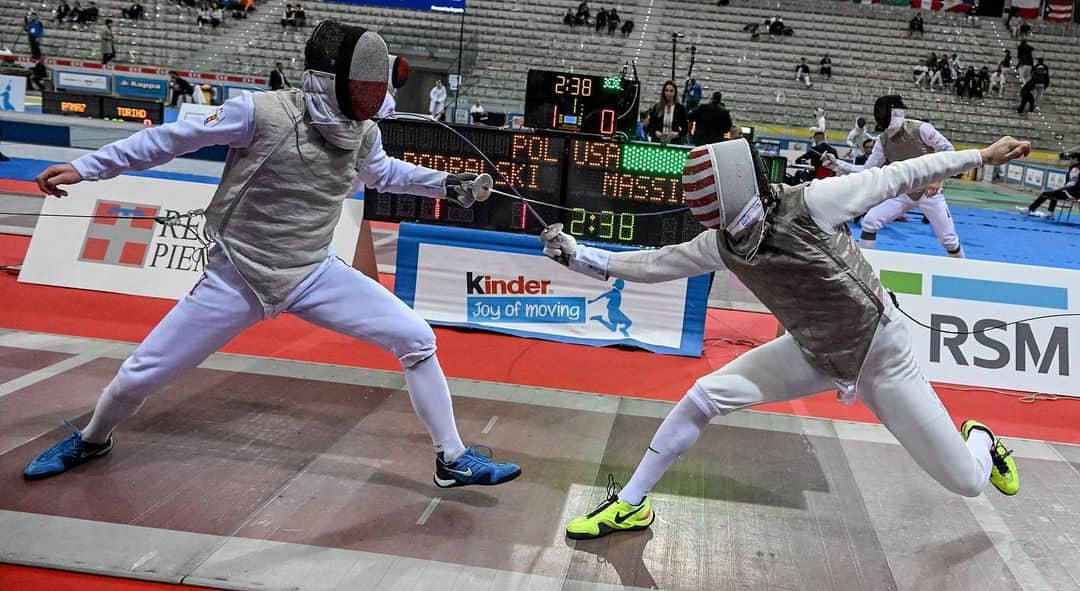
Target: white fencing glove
point(563, 249)
point(466, 188)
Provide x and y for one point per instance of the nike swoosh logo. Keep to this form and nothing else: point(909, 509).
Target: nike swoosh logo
point(466, 473)
point(619, 517)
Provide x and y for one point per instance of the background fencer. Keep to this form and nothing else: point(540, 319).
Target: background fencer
point(901, 139)
point(293, 156)
point(790, 245)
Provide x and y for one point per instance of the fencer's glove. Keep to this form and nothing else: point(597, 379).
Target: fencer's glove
point(466, 188)
point(563, 249)
point(829, 161)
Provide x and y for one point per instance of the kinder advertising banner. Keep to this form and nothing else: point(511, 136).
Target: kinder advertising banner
point(501, 282)
point(12, 93)
point(121, 252)
point(151, 88)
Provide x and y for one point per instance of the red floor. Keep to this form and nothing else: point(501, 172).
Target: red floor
point(23, 578)
point(490, 357)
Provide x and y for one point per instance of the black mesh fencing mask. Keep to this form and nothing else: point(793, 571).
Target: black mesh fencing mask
point(358, 59)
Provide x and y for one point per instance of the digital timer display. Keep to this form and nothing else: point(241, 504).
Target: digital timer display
point(600, 190)
point(580, 103)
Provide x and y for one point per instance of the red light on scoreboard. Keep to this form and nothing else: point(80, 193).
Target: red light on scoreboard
point(607, 121)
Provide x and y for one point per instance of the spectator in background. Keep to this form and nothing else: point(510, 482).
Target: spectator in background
point(90, 15)
point(713, 121)
point(642, 124)
point(133, 12)
point(776, 29)
point(437, 101)
point(288, 20)
point(826, 67)
point(997, 80)
point(612, 21)
point(39, 74)
point(217, 15)
point(1024, 60)
point(75, 16)
point(915, 25)
point(34, 32)
point(278, 80)
point(921, 72)
point(984, 81)
point(203, 16)
point(1027, 97)
point(813, 155)
point(182, 90)
point(299, 15)
point(476, 112)
point(1071, 190)
point(582, 16)
point(1041, 75)
point(819, 120)
point(627, 27)
point(972, 88)
point(62, 11)
point(802, 73)
point(955, 69)
point(693, 95)
point(667, 118)
point(108, 42)
point(568, 18)
point(932, 61)
point(601, 19)
point(1006, 62)
point(867, 149)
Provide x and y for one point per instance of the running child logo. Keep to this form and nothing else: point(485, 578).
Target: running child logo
point(117, 237)
point(498, 300)
point(616, 320)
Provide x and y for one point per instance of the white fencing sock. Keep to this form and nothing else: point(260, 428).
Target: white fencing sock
point(676, 434)
point(430, 398)
point(979, 443)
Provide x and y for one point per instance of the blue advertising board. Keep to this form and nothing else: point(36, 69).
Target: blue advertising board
point(151, 88)
point(455, 6)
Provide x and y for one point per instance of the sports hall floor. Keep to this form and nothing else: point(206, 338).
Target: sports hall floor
point(292, 460)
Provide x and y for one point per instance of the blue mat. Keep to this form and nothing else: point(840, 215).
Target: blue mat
point(27, 169)
point(987, 235)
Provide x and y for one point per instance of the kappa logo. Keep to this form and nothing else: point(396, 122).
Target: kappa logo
point(119, 239)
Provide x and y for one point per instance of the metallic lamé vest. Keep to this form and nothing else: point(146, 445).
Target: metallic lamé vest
point(279, 200)
point(903, 143)
point(818, 285)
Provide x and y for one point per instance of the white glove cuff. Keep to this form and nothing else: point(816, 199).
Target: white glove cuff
point(590, 261)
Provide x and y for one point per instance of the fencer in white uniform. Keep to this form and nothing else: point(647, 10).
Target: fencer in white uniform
point(293, 156)
point(784, 243)
point(900, 139)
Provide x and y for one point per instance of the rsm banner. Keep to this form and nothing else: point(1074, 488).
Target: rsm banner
point(956, 296)
point(503, 283)
point(123, 253)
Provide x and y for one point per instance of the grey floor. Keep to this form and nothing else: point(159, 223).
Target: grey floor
point(253, 473)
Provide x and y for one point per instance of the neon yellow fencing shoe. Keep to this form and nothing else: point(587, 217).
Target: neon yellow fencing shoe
point(1004, 475)
point(611, 516)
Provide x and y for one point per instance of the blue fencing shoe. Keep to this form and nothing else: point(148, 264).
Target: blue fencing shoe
point(65, 455)
point(473, 467)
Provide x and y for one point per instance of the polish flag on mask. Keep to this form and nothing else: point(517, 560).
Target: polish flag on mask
point(1026, 8)
point(1060, 11)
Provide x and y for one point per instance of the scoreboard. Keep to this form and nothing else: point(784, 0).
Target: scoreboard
point(599, 189)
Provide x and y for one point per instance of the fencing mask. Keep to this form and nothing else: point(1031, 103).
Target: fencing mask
point(726, 186)
point(359, 61)
point(883, 108)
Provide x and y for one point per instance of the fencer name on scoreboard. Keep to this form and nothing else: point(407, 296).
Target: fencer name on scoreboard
point(597, 188)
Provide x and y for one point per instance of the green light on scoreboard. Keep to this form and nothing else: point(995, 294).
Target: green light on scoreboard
point(612, 84)
point(654, 160)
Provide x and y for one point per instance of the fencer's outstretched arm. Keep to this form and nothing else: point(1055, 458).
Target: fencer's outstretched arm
point(835, 200)
point(695, 257)
point(390, 175)
point(233, 125)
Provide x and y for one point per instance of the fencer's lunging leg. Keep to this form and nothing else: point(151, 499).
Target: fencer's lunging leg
point(218, 308)
point(936, 210)
point(879, 216)
point(775, 371)
point(348, 302)
point(893, 386)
